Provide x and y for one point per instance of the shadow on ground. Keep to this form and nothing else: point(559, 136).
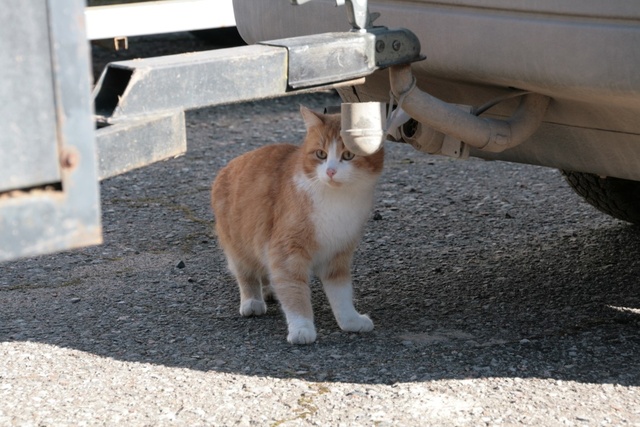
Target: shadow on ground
point(529, 319)
point(470, 270)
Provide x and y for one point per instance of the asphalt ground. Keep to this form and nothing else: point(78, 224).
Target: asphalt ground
point(499, 298)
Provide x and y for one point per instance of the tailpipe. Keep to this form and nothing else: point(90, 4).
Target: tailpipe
point(363, 126)
point(487, 134)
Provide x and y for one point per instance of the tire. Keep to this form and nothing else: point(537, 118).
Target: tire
point(617, 197)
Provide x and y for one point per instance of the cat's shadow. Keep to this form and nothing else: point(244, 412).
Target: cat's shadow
point(458, 318)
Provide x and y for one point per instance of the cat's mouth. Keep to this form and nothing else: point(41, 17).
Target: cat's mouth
point(333, 183)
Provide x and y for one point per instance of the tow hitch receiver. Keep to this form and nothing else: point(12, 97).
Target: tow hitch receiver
point(152, 94)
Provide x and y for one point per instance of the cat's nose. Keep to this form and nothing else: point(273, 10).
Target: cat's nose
point(331, 172)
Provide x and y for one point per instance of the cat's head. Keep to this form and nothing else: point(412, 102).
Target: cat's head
point(326, 158)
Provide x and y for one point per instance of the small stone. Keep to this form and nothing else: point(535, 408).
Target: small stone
point(74, 300)
point(377, 216)
point(181, 264)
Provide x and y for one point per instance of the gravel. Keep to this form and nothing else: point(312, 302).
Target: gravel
point(499, 298)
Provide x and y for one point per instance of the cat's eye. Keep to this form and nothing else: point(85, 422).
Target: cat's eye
point(321, 154)
point(348, 155)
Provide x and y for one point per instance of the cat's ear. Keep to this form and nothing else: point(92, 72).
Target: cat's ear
point(311, 118)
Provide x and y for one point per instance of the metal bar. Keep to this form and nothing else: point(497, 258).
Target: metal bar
point(276, 68)
point(330, 57)
point(132, 144)
point(191, 80)
point(134, 19)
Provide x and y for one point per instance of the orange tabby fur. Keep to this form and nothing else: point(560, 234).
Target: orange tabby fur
point(283, 212)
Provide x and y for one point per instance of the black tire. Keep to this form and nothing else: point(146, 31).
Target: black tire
point(617, 197)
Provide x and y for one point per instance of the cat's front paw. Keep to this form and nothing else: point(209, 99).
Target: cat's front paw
point(358, 323)
point(252, 307)
point(302, 333)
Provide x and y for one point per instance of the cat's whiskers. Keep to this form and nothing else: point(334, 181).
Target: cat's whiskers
point(307, 183)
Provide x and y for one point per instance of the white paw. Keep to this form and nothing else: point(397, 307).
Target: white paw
point(304, 334)
point(358, 323)
point(252, 307)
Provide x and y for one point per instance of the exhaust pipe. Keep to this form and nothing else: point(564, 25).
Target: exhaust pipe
point(483, 133)
point(363, 126)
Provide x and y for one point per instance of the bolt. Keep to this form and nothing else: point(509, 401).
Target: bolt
point(397, 45)
point(380, 46)
point(69, 158)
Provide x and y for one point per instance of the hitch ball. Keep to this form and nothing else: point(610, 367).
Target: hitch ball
point(363, 126)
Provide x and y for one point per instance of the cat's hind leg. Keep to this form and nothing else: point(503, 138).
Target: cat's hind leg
point(251, 299)
point(336, 281)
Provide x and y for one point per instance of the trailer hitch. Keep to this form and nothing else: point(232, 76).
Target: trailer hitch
point(144, 87)
point(140, 104)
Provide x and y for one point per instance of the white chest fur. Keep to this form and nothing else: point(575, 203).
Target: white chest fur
point(338, 214)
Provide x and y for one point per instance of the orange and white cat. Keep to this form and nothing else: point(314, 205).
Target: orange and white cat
point(284, 212)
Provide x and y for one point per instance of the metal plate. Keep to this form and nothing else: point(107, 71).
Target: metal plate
point(29, 154)
point(66, 214)
point(136, 143)
point(329, 57)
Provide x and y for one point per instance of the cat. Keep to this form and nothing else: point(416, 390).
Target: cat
point(284, 212)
